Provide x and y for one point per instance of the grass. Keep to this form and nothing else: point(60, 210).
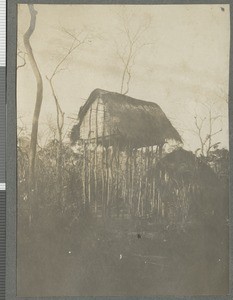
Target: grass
point(119, 258)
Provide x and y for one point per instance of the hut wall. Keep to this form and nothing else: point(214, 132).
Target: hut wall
point(96, 122)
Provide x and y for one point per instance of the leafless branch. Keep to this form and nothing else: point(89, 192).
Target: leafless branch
point(22, 56)
point(76, 42)
point(130, 50)
point(206, 140)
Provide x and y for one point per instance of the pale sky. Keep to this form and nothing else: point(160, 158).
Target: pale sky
point(184, 65)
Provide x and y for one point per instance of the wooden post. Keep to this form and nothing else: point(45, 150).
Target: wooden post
point(96, 159)
point(160, 151)
point(124, 179)
point(103, 181)
point(129, 179)
point(159, 196)
point(103, 170)
point(132, 179)
point(146, 175)
point(89, 160)
point(95, 179)
point(127, 176)
point(107, 177)
point(89, 176)
point(84, 174)
point(150, 165)
point(153, 194)
point(140, 204)
point(117, 158)
point(111, 179)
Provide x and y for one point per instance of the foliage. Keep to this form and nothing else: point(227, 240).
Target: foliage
point(218, 160)
point(54, 203)
point(162, 192)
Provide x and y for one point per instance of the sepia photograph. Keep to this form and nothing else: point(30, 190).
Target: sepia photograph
point(122, 150)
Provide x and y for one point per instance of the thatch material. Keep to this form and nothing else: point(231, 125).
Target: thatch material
point(184, 165)
point(181, 175)
point(131, 121)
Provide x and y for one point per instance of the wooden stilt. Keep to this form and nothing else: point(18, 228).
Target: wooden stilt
point(150, 167)
point(103, 181)
point(133, 180)
point(107, 177)
point(140, 202)
point(84, 175)
point(117, 179)
point(112, 172)
point(95, 180)
point(96, 159)
point(146, 162)
point(160, 151)
point(88, 159)
point(89, 178)
point(153, 194)
point(130, 180)
point(103, 170)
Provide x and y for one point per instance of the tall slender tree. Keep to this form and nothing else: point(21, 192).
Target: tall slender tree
point(39, 98)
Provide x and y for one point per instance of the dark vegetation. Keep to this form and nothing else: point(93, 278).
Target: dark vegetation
point(67, 250)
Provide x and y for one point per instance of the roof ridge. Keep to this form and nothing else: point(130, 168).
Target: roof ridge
point(127, 97)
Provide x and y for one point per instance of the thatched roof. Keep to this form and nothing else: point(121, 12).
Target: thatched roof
point(135, 122)
point(184, 165)
point(183, 168)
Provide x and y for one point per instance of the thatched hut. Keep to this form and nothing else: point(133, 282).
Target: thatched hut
point(120, 138)
point(114, 119)
point(189, 190)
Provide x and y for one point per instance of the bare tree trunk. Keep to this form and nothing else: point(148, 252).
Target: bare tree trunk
point(126, 71)
point(39, 98)
point(60, 124)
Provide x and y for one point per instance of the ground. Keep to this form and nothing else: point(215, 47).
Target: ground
point(121, 257)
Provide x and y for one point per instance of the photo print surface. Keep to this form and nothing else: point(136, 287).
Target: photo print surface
point(122, 150)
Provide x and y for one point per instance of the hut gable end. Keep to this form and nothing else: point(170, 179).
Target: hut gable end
point(92, 122)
